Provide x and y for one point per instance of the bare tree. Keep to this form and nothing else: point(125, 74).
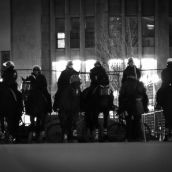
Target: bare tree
point(110, 41)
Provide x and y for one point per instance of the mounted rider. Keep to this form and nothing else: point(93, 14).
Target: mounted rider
point(9, 82)
point(98, 75)
point(9, 75)
point(63, 82)
point(131, 71)
point(166, 74)
point(39, 83)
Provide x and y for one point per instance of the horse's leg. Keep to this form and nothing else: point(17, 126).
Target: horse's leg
point(42, 126)
point(62, 124)
point(105, 123)
point(2, 123)
point(89, 123)
point(69, 126)
point(106, 116)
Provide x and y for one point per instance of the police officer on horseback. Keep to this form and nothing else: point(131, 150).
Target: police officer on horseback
point(131, 70)
point(98, 75)
point(63, 82)
point(39, 82)
point(9, 75)
point(166, 74)
point(9, 82)
point(164, 98)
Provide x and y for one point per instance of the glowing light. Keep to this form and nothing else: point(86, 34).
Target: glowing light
point(25, 119)
point(59, 67)
point(115, 94)
point(149, 76)
point(89, 64)
point(149, 63)
point(60, 35)
point(150, 26)
point(77, 65)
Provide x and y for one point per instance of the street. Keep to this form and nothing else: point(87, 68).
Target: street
point(87, 157)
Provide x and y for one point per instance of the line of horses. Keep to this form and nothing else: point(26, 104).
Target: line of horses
point(70, 118)
point(73, 103)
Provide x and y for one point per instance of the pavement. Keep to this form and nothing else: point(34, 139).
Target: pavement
point(87, 157)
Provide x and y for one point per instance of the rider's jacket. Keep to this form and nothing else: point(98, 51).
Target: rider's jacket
point(98, 76)
point(166, 76)
point(64, 79)
point(131, 71)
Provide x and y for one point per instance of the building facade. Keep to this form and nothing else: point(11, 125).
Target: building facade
point(49, 32)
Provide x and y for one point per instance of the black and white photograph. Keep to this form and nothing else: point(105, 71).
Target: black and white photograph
point(85, 85)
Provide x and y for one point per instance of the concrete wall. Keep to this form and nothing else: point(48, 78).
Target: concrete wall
point(5, 25)
point(26, 33)
point(163, 36)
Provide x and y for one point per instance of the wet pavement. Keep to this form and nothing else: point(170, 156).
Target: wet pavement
point(87, 157)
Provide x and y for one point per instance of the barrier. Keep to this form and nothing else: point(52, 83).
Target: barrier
point(153, 124)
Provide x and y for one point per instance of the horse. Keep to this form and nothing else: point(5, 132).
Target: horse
point(69, 107)
point(96, 101)
point(164, 99)
point(11, 108)
point(36, 106)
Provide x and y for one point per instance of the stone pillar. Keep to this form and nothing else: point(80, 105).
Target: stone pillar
point(67, 30)
point(123, 31)
point(161, 33)
point(139, 32)
point(45, 42)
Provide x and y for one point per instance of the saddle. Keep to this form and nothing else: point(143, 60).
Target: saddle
point(104, 90)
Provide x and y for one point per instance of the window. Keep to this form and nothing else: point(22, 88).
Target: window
point(59, 8)
point(60, 33)
point(89, 32)
point(131, 7)
point(74, 7)
point(131, 28)
point(114, 7)
point(61, 40)
point(148, 7)
point(75, 33)
point(148, 31)
point(115, 30)
point(89, 7)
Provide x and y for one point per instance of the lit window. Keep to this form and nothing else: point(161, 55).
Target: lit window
point(60, 33)
point(61, 40)
point(148, 31)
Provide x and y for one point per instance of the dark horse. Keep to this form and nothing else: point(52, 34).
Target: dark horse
point(11, 108)
point(96, 101)
point(36, 106)
point(164, 100)
point(69, 108)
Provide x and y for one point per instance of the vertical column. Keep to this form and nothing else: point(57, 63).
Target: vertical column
point(67, 29)
point(139, 32)
point(45, 43)
point(82, 30)
point(123, 31)
point(82, 41)
point(161, 33)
